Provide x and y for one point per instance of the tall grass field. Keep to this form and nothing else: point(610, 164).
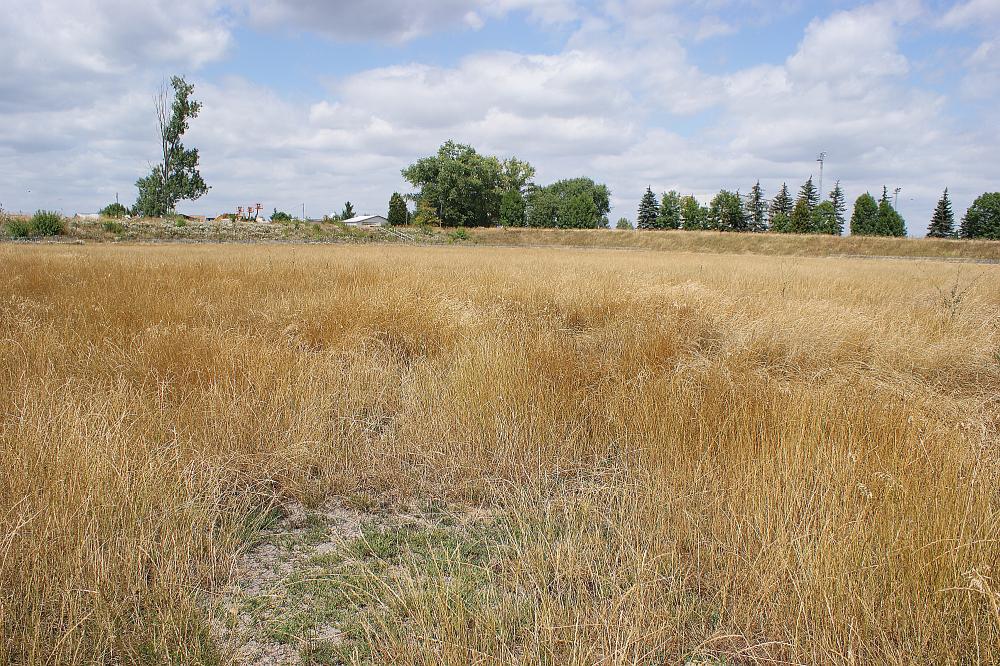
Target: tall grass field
point(683, 458)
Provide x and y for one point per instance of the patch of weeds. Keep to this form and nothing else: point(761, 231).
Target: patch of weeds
point(322, 653)
point(458, 235)
point(339, 594)
point(180, 222)
point(261, 517)
point(113, 227)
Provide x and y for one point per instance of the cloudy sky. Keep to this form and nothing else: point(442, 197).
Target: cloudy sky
point(319, 101)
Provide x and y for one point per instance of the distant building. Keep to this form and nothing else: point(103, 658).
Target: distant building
point(367, 221)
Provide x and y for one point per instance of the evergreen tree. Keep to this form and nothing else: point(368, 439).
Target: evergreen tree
point(801, 221)
point(648, 211)
point(864, 216)
point(982, 220)
point(756, 209)
point(398, 215)
point(839, 202)
point(623, 223)
point(726, 212)
point(888, 222)
point(809, 193)
point(943, 221)
point(693, 214)
point(825, 220)
point(781, 209)
point(348, 211)
point(670, 211)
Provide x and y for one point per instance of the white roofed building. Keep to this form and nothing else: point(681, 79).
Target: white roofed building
point(367, 221)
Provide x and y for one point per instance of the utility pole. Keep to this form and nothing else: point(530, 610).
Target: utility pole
point(895, 197)
point(303, 212)
point(821, 159)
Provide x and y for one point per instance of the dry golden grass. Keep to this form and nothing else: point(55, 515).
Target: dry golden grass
point(766, 460)
point(813, 245)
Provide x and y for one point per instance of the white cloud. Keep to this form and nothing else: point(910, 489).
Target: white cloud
point(59, 52)
point(622, 101)
point(394, 20)
point(972, 12)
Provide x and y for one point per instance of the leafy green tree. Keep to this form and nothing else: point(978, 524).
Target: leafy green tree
point(513, 209)
point(426, 214)
point(781, 223)
point(543, 207)
point(864, 217)
point(398, 214)
point(756, 209)
point(623, 223)
point(516, 176)
point(669, 216)
point(561, 204)
point(943, 221)
point(839, 201)
point(646, 219)
point(888, 222)
point(176, 177)
point(348, 211)
point(280, 216)
point(780, 213)
point(693, 215)
point(982, 219)
point(114, 210)
point(726, 213)
point(464, 187)
point(825, 219)
point(578, 212)
point(801, 221)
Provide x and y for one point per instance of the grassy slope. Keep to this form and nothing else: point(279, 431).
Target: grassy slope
point(789, 459)
point(670, 241)
point(728, 243)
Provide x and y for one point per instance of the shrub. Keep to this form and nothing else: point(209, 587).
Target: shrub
point(458, 235)
point(114, 210)
point(113, 227)
point(280, 216)
point(17, 228)
point(47, 223)
point(180, 222)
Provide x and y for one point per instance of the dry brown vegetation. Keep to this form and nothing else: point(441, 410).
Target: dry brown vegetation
point(812, 245)
point(683, 456)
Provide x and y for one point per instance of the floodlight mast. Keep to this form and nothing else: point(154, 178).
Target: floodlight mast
point(895, 197)
point(821, 159)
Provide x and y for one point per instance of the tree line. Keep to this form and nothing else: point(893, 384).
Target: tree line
point(806, 214)
point(459, 187)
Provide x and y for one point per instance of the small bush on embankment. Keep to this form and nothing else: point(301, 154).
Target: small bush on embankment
point(47, 223)
point(16, 227)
